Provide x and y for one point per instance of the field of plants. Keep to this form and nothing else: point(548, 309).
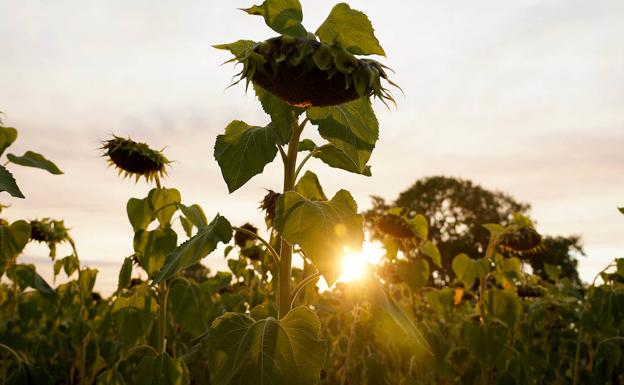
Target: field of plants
point(506, 306)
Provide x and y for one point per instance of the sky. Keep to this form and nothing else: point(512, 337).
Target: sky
point(523, 97)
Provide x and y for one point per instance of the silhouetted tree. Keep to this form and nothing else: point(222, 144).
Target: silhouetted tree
point(457, 209)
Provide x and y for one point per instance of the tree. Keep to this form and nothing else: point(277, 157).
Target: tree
point(457, 209)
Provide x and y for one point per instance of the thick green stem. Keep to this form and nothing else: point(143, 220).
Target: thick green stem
point(285, 264)
point(162, 316)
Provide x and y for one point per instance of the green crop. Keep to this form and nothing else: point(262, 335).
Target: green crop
point(265, 321)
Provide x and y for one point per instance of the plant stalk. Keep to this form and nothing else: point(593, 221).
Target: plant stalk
point(162, 316)
point(285, 264)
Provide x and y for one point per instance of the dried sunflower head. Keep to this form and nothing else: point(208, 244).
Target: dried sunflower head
point(395, 226)
point(522, 240)
point(48, 230)
point(135, 159)
point(305, 72)
point(268, 204)
point(240, 238)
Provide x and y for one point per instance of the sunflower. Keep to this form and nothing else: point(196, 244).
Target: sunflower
point(305, 72)
point(525, 240)
point(395, 226)
point(135, 159)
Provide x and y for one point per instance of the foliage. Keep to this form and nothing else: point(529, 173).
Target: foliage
point(457, 210)
point(172, 321)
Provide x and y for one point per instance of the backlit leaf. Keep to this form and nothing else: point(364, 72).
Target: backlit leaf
point(196, 248)
point(310, 187)
point(243, 152)
point(33, 159)
point(351, 29)
point(325, 230)
point(8, 184)
point(468, 269)
point(243, 351)
point(140, 213)
point(13, 239)
point(414, 273)
point(282, 16)
point(335, 157)
point(282, 114)
point(7, 137)
point(429, 249)
point(195, 215)
point(383, 301)
point(86, 280)
point(152, 246)
point(27, 276)
point(164, 203)
point(125, 274)
point(351, 127)
point(504, 305)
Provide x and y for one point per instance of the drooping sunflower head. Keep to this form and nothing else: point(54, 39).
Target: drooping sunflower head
point(395, 226)
point(48, 230)
point(135, 159)
point(305, 72)
point(525, 240)
point(521, 237)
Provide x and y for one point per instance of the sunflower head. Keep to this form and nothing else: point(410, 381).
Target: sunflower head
point(135, 159)
point(48, 230)
point(395, 226)
point(305, 72)
point(522, 240)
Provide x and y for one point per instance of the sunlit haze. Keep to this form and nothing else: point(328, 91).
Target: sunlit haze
point(523, 97)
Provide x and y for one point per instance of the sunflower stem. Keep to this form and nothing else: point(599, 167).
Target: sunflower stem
point(285, 265)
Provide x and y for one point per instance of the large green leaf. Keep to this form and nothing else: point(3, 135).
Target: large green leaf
point(195, 215)
point(429, 249)
point(70, 264)
point(125, 274)
point(384, 302)
point(8, 184)
point(140, 213)
point(185, 295)
point(33, 159)
point(86, 281)
point(324, 230)
point(13, 239)
point(310, 187)
point(243, 351)
point(196, 248)
point(351, 29)
point(152, 246)
point(335, 157)
point(352, 128)
point(134, 314)
point(504, 305)
point(414, 273)
point(7, 137)
point(282, 16)
point(468, 269)
point(282, 114)
point(161, 370)
point(243, 152)
point(164, 203)
point(27, 276)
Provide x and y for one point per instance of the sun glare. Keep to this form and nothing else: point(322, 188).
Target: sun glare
point(354, 263)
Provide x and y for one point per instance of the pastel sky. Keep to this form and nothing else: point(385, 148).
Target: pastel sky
point(522, 96)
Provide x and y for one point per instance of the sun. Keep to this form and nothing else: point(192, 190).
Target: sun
point(354, 263)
